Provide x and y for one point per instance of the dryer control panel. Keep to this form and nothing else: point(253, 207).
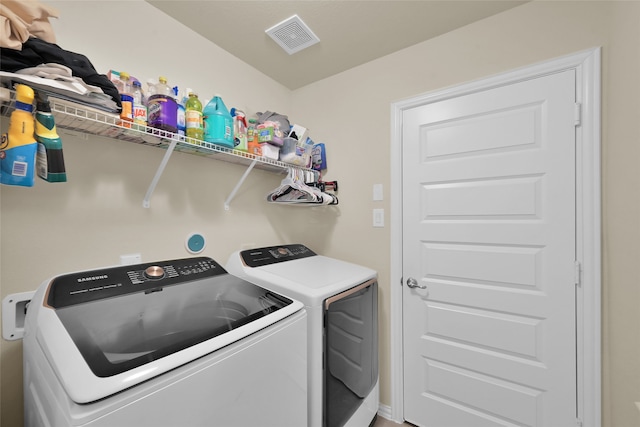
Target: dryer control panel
point(81, 287)
point(274, 254)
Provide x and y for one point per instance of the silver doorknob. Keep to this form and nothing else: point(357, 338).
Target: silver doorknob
point(413, 283)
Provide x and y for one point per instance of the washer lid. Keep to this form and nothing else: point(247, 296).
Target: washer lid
point(147, 326)
point(302, 275)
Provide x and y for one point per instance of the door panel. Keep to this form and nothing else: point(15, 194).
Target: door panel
point(489, 231)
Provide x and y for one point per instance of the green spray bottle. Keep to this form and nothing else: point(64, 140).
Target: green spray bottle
point(49, 161)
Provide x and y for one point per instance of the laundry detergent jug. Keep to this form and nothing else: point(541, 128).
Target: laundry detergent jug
point(218, 124)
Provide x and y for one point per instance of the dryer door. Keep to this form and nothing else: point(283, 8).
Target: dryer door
point(350, 351)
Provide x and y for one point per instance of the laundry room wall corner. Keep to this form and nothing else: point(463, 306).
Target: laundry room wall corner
point(97, 215)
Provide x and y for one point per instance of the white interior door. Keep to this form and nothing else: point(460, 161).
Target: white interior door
point(489, 235)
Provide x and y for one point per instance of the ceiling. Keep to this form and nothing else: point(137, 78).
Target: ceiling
point(351, 32)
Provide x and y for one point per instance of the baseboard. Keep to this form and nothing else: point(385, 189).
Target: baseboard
point(384, 411)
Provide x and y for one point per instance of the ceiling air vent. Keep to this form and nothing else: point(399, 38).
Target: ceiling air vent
point(292, 35)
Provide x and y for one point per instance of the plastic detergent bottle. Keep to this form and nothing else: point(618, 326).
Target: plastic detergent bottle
point(193, 117)
point(240, 126)
point(218, 125)
point(180, 119)
point(151, 89)
point(49, 160)
point(162, 107)
point(18, 147)
point(126, 98)
point(139, 108)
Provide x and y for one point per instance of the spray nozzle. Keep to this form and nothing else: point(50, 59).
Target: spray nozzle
point(42, 102)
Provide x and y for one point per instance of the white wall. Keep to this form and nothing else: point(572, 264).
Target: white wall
point(352, 111)
point(97, 215)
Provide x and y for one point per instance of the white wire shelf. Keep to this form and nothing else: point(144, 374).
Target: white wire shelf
point(91, 121)
point(88, 120)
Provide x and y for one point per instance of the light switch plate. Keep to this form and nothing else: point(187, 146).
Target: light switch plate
point(377, 192)
point(378, 217)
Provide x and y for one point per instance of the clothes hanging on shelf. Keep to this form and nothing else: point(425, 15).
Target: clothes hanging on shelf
point(300, 187)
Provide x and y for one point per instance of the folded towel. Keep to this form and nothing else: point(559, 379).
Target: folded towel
point(60, 72)
point(36, 51)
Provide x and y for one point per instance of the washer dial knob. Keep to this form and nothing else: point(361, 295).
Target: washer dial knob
point(154, 272)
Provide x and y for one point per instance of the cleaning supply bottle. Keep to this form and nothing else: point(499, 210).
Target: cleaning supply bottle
point(151, 89)
point(126, 98)
point(180, 120)
point(240, 126)
point(139, 107)
point(49, 160)
point(218, 125)
point(162, 107)
point(18, 147)
point(193, 117)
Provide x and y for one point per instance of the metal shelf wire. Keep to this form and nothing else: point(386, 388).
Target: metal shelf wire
point(91, 121)
point(88, 120)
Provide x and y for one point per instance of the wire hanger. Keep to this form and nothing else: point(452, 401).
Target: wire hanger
point(294, 190)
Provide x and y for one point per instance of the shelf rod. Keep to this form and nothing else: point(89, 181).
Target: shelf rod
point(158, 174)
point(237, 187)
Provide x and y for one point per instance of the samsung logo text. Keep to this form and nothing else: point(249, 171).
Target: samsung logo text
point(92, 278)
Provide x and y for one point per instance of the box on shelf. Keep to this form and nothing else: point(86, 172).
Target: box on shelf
point(265, 134)
point(265, 150)
point(302, 133)
point(295, 152)
point(318, 157)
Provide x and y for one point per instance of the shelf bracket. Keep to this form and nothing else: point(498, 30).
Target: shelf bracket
point(158, 174)
point(239, 184)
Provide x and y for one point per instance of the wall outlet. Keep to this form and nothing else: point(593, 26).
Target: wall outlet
point(130, 259)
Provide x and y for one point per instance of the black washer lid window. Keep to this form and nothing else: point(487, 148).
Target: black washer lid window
point(120, 333)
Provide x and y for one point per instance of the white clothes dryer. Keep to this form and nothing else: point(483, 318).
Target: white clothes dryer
point(341, 300)
point(170, 343)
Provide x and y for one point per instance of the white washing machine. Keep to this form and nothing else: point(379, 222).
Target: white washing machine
point(341, 300)
point(171, 343)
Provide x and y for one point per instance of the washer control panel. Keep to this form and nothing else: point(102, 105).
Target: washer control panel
point(274, 254)
point(81, 287)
